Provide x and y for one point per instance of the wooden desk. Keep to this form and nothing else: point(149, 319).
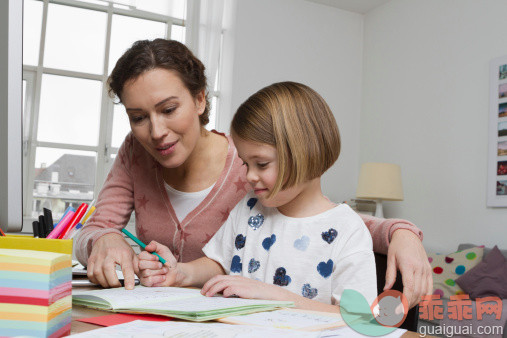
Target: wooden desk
point(83, 312)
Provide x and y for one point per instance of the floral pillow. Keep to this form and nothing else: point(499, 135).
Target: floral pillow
point(447, 268)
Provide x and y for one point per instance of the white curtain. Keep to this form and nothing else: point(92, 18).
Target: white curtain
point(211, 14)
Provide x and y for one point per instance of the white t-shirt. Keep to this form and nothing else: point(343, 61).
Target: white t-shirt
point(316, 257)
point(184, 202)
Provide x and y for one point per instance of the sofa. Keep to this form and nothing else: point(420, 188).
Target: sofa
point(475, 271)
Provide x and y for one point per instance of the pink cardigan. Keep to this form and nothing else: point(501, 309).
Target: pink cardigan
point(135, 183)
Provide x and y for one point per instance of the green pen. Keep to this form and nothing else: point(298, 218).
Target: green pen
point(141, 244)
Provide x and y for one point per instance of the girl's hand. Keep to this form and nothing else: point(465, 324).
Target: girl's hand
point(242, 287)
point(407, 254)
point(153, 273)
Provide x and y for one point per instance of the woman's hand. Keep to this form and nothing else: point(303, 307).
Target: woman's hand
point(107, 251)
point(407, 254)
point(242, 287)
point(153, 273)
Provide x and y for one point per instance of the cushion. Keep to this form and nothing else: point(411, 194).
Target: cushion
point(487, 250)
point(488, 278)
point(447, 268)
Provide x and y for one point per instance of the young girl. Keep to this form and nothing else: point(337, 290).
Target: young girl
point(285, 240)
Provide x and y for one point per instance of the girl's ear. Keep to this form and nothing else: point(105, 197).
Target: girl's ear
point(200, 102)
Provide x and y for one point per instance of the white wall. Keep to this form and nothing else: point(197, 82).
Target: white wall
point(320, 46)
point(425, 106)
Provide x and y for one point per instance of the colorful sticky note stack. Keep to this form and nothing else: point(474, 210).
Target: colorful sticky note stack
point(35, 293)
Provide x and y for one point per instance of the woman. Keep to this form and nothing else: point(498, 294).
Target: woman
point(182, 180)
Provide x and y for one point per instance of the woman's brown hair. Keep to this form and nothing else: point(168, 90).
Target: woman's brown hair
point(145, 55)
point(297, 121)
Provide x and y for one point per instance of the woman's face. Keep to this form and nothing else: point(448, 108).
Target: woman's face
point(163, 115)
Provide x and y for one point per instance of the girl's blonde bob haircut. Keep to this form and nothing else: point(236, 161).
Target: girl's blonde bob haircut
point(297, 121)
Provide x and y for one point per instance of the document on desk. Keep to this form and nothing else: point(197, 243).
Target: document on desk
point(143, 329)
point(294, 319)
point(182, 303)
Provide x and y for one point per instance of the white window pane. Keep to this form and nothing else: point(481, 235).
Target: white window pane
point(126, 30)
point(212, 114)
point(75, 39)
point(32, 24)
point(62, 177)
point(121, 125)
point(174, 8)
point(178, 33)
point(69, 110)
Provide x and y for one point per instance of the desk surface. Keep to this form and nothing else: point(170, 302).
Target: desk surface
point(79, 312)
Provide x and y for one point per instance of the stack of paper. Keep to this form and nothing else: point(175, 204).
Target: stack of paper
point(182, 303)
point(35, 293)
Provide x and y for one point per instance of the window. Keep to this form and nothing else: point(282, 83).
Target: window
point(71, 128)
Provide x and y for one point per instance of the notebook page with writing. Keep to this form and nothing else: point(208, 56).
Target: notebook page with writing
point(119, 298)
point(181, 303)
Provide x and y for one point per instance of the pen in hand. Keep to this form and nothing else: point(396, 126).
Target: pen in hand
point(141, 244)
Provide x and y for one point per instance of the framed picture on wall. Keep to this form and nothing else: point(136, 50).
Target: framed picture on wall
point(497, 153)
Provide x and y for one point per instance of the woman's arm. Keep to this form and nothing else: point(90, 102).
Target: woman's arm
point(100, 245)
point(402, 242)
point(382, 230)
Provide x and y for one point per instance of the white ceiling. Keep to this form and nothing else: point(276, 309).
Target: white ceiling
point(358, 6)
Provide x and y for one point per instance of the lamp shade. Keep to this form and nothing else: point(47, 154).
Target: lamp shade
point(380, 181)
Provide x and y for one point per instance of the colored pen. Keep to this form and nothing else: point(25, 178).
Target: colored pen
point(76, 229)
point(88, 214)
point(141, 244)
point(43, 226)
point(62, 225)
point(72, 223)
point(48, 220)
point(35, 226)
point(1, 232)
point(63, 216)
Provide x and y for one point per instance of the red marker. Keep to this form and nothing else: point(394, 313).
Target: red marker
point(73, 222)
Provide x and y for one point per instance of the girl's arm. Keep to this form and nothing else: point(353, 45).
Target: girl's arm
point(249, 288)
point(172, 273)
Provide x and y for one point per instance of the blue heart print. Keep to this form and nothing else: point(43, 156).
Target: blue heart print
point(240, 241)
point(251, 202)
point(325, 269)
point(302, 243)
point(253, 265)
point(236, 265)
point(256, 221)
point(268, 242)
point(281, 278)
point(329, 235)
point(309, 292)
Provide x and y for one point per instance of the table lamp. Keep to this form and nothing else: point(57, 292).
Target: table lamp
point(380, 181)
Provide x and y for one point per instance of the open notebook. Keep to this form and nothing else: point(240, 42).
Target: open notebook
point(182, 303)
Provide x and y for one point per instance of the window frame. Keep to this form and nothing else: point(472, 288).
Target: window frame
point(33, 77)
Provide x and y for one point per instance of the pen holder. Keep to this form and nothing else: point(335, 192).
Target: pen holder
point(35, 286)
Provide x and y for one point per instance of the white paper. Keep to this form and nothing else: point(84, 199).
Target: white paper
point(288, 319)
point(347, 332)
point(148, 329)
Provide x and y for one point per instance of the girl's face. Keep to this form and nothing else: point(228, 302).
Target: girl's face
point(262, 171)
point(163, 115)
